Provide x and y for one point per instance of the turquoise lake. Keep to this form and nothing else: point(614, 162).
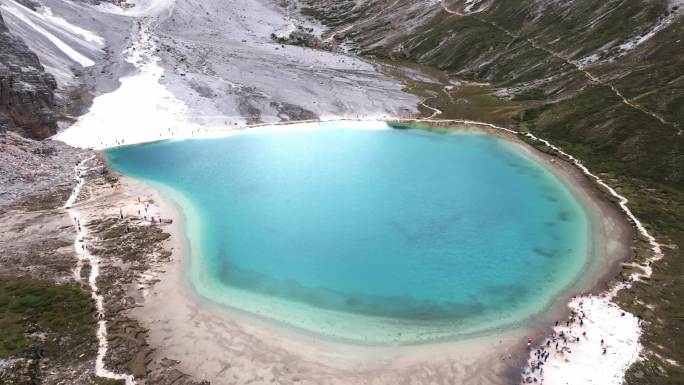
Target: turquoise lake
point(376, 236)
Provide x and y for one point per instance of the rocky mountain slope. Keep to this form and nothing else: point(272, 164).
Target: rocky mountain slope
point(26, 89)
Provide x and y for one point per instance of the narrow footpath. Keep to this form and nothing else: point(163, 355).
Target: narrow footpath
point(84, 256)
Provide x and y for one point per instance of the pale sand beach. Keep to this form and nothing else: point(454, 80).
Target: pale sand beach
point(226, 346)
point(596, 350)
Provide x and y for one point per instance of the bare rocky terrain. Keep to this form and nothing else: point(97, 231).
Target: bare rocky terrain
point(26, 89)
point(222, 61)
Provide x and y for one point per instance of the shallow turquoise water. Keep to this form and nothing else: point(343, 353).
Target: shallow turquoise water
point(371, 235)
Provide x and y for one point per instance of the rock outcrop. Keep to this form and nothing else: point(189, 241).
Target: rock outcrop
point(26, 90)
point(301, 36)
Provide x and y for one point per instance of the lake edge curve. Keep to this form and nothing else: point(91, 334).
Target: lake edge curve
point(586, 281)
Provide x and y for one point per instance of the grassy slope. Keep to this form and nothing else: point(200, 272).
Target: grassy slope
point(64, 314)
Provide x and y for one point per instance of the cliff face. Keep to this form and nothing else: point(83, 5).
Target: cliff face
point(26, 90)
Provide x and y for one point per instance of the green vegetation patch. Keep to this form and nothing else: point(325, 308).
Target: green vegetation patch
point(61, 316)
point(609, 136)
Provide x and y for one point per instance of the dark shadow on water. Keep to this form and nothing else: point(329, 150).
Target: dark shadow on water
point(434, 230)
point(545, 253)
point(498, 297)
